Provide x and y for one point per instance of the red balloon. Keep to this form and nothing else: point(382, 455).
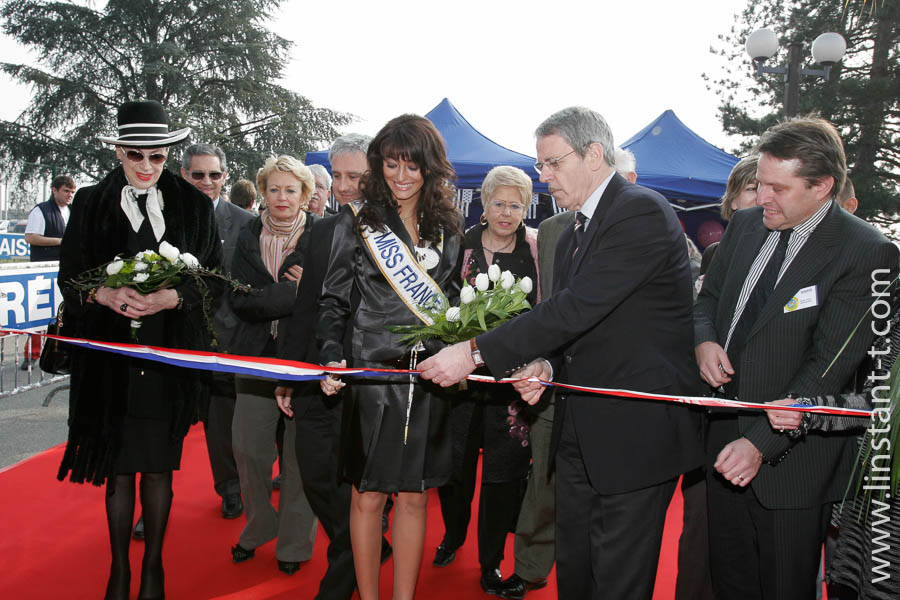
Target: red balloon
point(709, 232)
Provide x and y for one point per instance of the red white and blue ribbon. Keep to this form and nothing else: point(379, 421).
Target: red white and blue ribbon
point(289, 370)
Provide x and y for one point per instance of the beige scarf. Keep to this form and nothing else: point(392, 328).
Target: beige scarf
point(276, 241)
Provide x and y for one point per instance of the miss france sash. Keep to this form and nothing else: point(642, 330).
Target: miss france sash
point(403, 270)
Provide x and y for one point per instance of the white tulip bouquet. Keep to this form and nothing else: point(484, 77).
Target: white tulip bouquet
point(146, 271)
point(481, 309)
point(149, 271)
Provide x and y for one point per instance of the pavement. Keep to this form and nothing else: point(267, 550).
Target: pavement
point(27, 426)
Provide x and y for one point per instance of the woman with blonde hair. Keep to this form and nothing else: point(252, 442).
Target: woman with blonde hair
point(269, 257)
point(491, 417)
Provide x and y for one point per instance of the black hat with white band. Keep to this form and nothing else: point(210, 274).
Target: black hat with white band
point(144, 124)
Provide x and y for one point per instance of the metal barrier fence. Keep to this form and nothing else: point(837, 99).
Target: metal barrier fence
point(15, 353)
point(29, 297)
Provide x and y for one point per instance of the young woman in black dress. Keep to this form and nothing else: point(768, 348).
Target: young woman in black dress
point(396, 437)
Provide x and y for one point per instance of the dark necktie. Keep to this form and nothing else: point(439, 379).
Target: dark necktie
point(145, 235)
point(764, 287)
point(580, 221)
point(142, 204)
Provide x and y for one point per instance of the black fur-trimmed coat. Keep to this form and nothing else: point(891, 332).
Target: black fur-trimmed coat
point(97, 232)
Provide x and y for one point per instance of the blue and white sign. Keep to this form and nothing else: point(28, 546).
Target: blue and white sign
point(29, 295)
point(13, 245)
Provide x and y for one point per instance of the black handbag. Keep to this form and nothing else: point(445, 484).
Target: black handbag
point(56, 356)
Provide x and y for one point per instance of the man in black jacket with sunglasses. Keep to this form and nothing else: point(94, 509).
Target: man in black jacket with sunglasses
point(205, 166)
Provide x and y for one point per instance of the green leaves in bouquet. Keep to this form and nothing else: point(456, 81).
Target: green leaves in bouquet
point(161, 274)
point(478, 312)
point(150, 271)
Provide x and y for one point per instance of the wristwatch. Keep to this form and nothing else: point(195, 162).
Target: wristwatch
point(476, 353)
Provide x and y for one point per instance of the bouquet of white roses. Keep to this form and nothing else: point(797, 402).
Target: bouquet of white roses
point(149, 271)
point(481, 309)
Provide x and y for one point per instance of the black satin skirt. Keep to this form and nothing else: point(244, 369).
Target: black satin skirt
point(387, 448)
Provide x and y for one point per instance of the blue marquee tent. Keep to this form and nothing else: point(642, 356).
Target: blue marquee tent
point(671, 159)
point(678, 163)
point(471, 153)
point(689, 171)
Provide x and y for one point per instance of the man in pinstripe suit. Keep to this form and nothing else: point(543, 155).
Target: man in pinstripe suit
point(790, 280)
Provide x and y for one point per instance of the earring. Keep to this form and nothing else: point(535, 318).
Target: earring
point(483, 219)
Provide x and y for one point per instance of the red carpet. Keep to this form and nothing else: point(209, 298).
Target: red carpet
point(53, 544)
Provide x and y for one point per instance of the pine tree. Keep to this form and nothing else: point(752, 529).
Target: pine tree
point(862, 96)
point(211, 63)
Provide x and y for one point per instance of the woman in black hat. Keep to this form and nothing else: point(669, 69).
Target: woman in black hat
point(130, 416)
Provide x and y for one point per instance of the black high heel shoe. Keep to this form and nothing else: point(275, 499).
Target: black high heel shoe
point(288, 566)
point(239, 554)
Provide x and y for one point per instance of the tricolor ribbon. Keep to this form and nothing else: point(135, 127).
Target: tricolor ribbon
point(276, 368)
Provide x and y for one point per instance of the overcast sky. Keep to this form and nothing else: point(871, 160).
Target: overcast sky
point(505, 65)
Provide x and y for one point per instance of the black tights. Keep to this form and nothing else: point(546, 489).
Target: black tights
point(156, 500)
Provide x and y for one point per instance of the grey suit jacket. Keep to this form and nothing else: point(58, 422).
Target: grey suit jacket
point(230, 220)
point(788, 352)
point(548, 237)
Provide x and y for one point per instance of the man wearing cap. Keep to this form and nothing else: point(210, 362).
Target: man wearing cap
point(206, 167)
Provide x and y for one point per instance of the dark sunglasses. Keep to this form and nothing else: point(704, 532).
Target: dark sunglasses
point(134, 156)
point(213, 175)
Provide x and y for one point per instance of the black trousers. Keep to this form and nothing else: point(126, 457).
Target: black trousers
point(694, 581)
point(318, 431)
point(607, 545)
point(758, 553)
point(498, 506)
point(217, 427)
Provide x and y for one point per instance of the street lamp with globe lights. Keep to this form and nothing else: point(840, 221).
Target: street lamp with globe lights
point(827, 49)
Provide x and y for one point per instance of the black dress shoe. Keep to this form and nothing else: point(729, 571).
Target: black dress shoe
point(232, 507)
point(288, 566)
point(491, 581)
point(138, 531)
point(27, 362)
point(515, 587)
point(443, 556)
point(239, 554)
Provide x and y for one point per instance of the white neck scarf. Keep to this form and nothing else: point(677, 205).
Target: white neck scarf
point(154, 209)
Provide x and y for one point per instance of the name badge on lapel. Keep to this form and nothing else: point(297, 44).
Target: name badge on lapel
point(805, 298)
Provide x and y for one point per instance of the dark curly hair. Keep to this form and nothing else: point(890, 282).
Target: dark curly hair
point(414, 139)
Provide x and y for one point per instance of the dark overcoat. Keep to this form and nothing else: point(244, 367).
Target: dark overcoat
point(98, 232)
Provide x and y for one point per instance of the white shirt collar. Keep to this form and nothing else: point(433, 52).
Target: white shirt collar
point(590, 205)
point(806, 228)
